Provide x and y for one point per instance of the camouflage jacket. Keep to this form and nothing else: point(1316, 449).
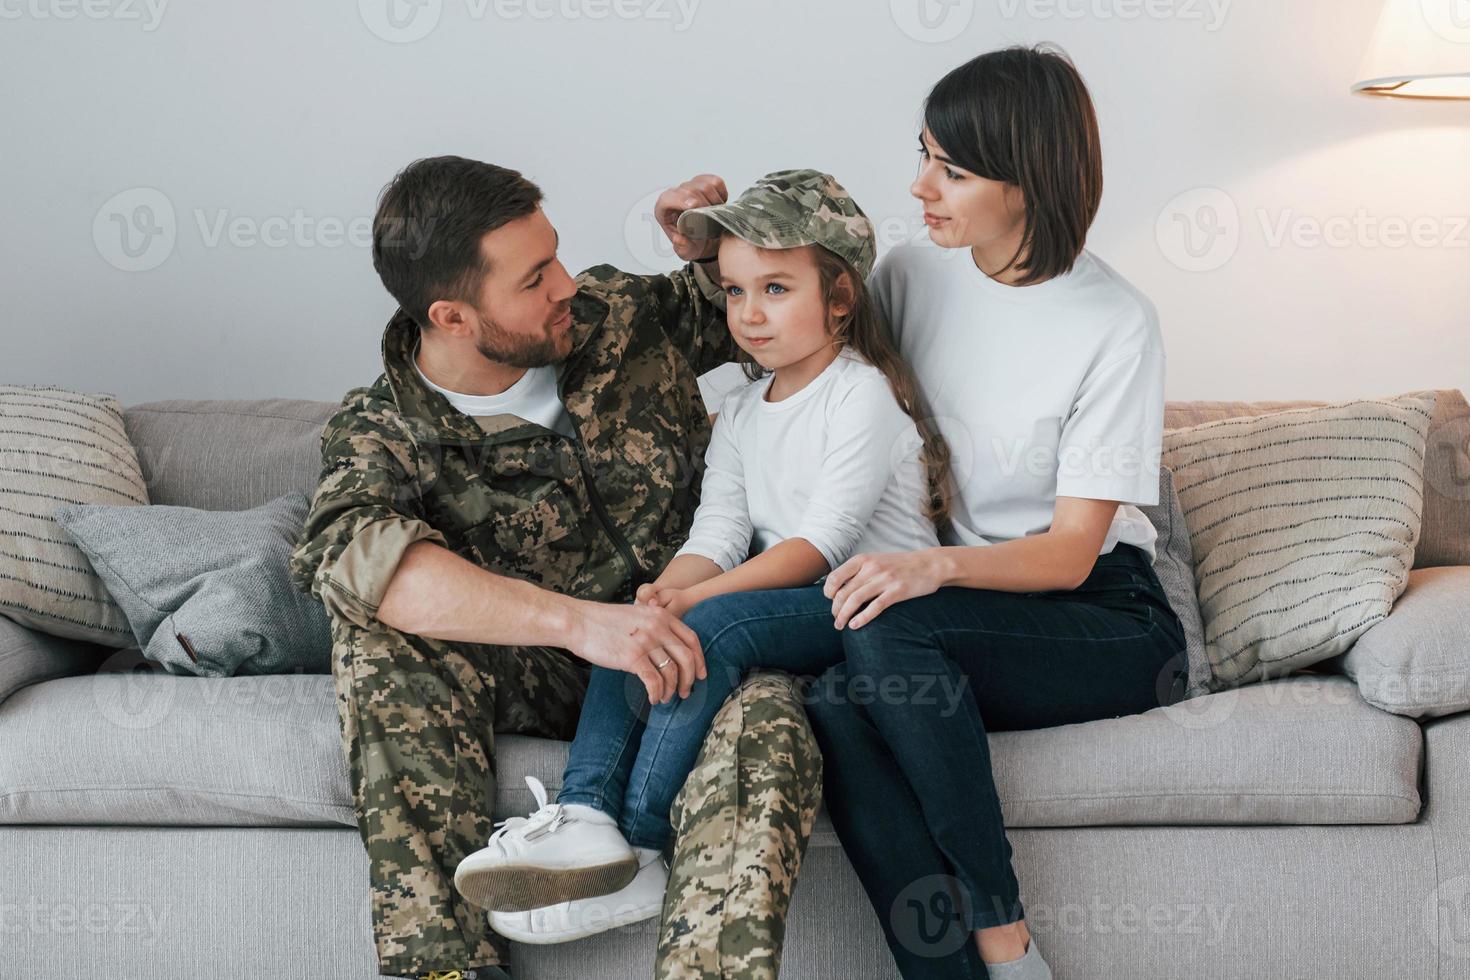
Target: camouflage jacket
point(590, 517)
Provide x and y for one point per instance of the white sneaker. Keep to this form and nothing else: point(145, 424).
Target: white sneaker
point(546, 858)
point(643, 898)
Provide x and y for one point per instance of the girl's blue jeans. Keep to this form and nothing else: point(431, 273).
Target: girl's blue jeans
point(630, 759)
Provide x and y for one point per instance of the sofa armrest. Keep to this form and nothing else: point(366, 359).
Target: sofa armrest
point(29, 657)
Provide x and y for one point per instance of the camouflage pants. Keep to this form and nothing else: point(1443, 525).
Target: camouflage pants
point(741, 825)
point(419, 718)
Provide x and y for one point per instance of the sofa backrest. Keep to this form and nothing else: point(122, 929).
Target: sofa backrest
point(228, 455)
point(1182, 415)
point(1444, 537)
point(233, 455)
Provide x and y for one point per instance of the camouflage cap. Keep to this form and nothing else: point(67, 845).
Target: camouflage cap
point(788, 209)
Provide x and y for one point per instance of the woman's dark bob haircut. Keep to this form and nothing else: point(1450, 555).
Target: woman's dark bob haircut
point(1023, 115)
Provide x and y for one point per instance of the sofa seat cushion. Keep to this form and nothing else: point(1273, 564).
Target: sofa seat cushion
point(158, 749)
point(125, 747)
point(1304, 749)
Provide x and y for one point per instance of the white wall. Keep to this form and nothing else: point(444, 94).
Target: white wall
point(285, 111)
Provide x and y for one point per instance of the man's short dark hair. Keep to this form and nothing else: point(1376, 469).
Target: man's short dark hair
point(431, 217)
point(1023, 115)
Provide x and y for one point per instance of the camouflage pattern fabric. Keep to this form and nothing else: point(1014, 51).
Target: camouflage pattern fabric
point(591, 517)
point(418, 721)
point(788, 209)
point(741, 825)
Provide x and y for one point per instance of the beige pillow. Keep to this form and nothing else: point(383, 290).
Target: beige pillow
point(1303, 525)
point(60, 447)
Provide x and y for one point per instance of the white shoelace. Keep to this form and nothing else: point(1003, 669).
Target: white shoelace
point(546, 819)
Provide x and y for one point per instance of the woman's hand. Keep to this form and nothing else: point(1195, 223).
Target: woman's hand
point(697, 192)
point(865, 585)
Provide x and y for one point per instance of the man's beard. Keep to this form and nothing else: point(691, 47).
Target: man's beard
point(500, 345)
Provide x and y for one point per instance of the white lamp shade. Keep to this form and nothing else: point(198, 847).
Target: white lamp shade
point(1420, 49)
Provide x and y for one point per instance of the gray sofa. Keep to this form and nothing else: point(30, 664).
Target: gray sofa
point(163, 826)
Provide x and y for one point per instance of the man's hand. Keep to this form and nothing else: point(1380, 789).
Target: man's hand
point(636, 639)
point(696, 192)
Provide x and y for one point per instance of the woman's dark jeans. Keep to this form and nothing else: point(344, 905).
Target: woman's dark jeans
point(902, 724)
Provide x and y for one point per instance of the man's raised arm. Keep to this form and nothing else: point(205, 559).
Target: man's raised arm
point(691, 300)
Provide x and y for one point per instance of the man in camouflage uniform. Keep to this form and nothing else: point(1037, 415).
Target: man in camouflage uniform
point(473, 567)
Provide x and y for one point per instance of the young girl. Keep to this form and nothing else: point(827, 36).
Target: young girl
point(825, 454)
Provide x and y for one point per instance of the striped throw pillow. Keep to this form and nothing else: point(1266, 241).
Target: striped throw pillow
point(1303, 525)
point(60, 447)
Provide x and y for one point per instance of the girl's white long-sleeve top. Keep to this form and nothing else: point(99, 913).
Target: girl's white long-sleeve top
point(838, 464)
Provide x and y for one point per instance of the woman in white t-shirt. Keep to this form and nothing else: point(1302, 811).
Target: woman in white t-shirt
point(1044, 369)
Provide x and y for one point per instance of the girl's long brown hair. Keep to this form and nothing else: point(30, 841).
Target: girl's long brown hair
point(864, 329)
